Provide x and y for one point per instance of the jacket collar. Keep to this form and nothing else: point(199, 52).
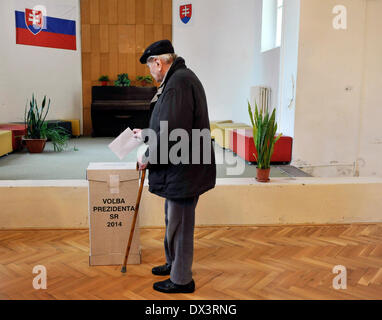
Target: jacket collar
point(179, 63)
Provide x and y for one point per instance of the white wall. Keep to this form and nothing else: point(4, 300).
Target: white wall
point(369, 151)
point(270, 72)
point(222, 45)
point(288, 67)
point(27, 69)
point(338, 106)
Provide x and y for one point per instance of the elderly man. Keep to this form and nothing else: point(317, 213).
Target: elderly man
point(180, 103)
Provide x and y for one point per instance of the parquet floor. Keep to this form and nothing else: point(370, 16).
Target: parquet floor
point(270, 262)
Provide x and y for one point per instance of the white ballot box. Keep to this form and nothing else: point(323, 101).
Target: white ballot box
point(113, 190)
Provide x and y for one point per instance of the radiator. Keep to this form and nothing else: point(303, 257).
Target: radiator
point(262, 96)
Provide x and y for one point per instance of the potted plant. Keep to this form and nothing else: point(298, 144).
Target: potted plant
point(38, 131)
point(104, 80)
point(264, 130)
point(123, 80)
point(145, 80)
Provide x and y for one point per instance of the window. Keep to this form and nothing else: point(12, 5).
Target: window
point(272, 18)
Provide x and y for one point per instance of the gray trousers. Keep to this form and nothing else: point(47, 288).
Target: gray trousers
point(179, 237)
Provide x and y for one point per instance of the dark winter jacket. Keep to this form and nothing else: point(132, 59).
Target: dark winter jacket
point(181, 101)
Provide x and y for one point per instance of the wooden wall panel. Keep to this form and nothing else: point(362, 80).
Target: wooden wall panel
point(86, 38)
point(122, 12)
point(104, 38)
point(130, 12)
point(149, 11)
point(149, 34)
point(122, 64)
point(140, 38)
point(85, 11)
point(95, 38)
point(104, 63)
point(113, 65)
point(103, 12)
point(158, 31)
point(113, 38)
point(139, 11)
point(167, 11)
point(94, 11)
point(95, 61)
point(122, 38)
point(112, 11)
point(158, 12)
point(114, 34)
point(86, 66)
point(167, 31)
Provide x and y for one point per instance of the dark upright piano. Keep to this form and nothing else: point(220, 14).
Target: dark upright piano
point(113, 109)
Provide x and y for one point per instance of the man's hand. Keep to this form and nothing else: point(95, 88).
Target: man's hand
point(137, 134)
point(141, 165)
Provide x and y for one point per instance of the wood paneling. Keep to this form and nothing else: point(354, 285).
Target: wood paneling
point(130, 12)
point(94, 12)
point(85, 39)
point(167, 11)
point(104, 38)
point(149, 11)
point(122, 12)
point(85, 11)
point(103, 12)
point(158, 14)
point(112, 11)
point(95, 38)
point(114, 35)
point(139, 11)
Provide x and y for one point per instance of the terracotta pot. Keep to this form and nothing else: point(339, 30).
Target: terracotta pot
point(35, 145)
point(104, 83)
point(263, 175)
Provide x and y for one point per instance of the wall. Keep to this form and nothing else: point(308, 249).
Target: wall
point(288, 67)
point(337, 116)
point(270, 73)
point(222, 45)
point(114, 35)
point(27, 69)
point(369, 152)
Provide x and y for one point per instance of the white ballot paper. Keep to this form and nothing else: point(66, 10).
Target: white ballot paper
point(124, 144)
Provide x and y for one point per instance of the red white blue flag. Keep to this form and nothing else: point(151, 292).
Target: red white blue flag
point(185, 12)
point(51, 25)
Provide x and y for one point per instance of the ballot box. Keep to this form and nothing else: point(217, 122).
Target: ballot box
point(113, 189)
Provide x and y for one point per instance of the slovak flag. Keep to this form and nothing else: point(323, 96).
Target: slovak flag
point(52, 26)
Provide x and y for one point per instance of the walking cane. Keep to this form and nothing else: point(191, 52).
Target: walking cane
point(123, 270)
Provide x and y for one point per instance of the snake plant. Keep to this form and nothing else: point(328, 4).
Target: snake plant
point(34, 119)
point(37, 127)
point(264, 130)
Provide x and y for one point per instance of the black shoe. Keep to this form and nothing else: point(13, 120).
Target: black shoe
point(163, 270)
point(168, 286)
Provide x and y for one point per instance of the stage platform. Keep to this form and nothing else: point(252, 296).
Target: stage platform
point(72, 163)
point(50, 191)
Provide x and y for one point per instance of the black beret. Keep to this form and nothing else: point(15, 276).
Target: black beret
point(156, 49)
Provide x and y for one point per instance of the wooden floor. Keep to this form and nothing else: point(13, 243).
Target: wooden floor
point(277, 262)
